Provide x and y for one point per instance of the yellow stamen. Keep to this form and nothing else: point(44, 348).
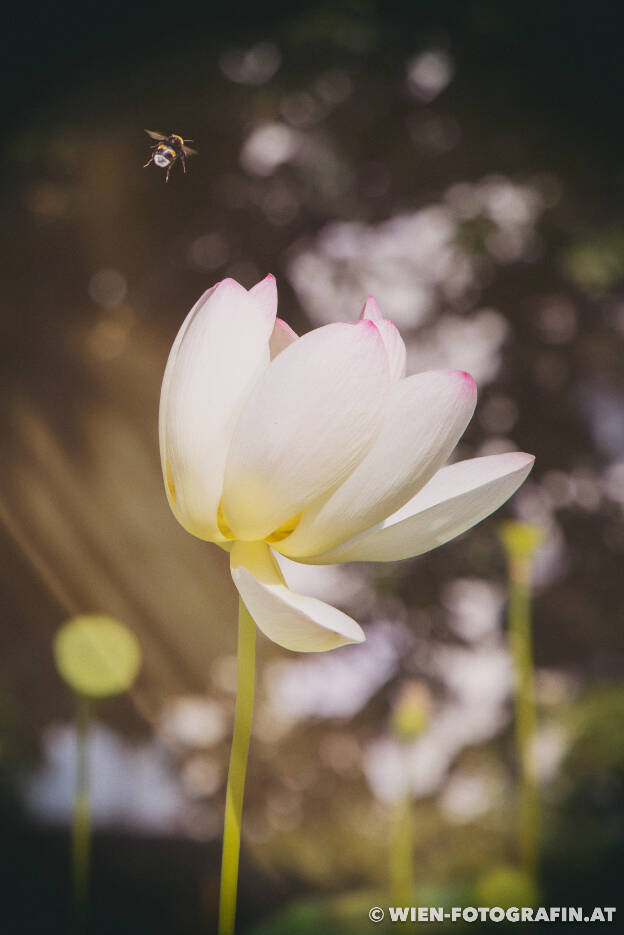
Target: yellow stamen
point(223, 524)
point(284, 530)
point(170, 482)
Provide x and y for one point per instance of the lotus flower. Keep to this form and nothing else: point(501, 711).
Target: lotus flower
point(317, 447)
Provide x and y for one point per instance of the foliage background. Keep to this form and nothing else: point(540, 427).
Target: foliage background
point(463, 161)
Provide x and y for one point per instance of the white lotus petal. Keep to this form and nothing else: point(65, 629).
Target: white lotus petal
point(218, 355)
point(281, 338)
point(394, 344)
point(294, 621)
point(264, 295)
point(426, 415)
point(454, 500)
point(311, 419)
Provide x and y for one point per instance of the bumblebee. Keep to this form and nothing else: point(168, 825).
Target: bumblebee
point(167, 150)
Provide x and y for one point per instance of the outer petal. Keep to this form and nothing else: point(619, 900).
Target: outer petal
point(264, 295)
point(303, 624)
point(426, 415)
point(281, 338)
point(394, 344)
point(218, 355)
point(313, 416)
point(456, 498)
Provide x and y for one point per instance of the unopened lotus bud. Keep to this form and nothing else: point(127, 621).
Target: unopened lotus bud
point(96, 655)
point(412, 711)
point(521, 541)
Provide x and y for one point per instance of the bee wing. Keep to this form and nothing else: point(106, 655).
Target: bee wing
point(189, 151)
point(156, 136)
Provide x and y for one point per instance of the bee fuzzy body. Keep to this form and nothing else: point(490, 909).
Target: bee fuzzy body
point(167, 150)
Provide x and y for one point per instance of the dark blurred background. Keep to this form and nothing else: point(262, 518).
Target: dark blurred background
point(462, 161)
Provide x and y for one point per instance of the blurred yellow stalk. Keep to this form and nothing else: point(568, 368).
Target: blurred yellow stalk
point(98, 657)
point(410, 717)
point(521, 541)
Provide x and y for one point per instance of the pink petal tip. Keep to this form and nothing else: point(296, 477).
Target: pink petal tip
point(371, 310)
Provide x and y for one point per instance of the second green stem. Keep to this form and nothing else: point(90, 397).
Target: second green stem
point(525, 716)
point(81, 825)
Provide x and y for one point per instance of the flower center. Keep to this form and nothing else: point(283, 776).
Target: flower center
point(276, 536)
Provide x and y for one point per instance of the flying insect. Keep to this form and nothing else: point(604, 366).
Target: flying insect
point(167, 150)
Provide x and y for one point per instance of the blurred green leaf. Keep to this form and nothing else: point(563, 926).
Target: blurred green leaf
point(596, 721)
point(597, 263)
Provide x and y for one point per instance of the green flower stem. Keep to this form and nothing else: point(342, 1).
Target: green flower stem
point(402, 854)
point(81, 825)
point(525, 714)
point(402, 846)
point(238, 767)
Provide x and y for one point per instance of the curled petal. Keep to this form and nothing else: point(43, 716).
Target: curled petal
point(454, 500)
point(426, 415)
point(393, 342)
point(309, 422)
point(218, 355)
point(294, 621)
